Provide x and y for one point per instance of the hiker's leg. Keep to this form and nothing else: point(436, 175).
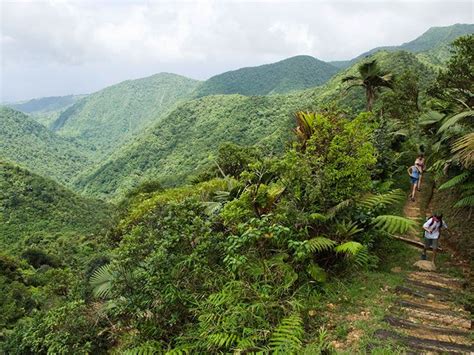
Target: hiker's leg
point(413, 191)
point(419, 182)
point(434, 245)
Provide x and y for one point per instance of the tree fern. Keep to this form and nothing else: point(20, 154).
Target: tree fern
point(458, 179)
point(319, 244)
point(149, 348)
point(349, 248)
point(287, 338)
point(394, 224)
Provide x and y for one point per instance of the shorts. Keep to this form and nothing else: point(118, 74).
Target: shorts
point(413, 180)
point(431, 243)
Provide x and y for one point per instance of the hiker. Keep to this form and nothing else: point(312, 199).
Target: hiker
point(414, 177)
point(432, 231)
point(420, 164)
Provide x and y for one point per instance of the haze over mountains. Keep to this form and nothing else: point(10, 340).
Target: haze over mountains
point(166, 126)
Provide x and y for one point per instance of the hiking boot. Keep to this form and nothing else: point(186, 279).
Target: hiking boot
point(412, 199)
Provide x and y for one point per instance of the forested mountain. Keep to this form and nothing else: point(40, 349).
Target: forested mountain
point(46, 110)
point(33, 205)
point(180, 145)
point(432, 46)
point(108, 118)
point(33, 146)
point(291, 74)
point(46, 104)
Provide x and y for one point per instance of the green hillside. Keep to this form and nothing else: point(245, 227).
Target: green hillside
point(46, 110)
point(30, 144)
point(180, 145)
point(31, 204)
point(108, 118)
point(431, 47)
point(291, 74)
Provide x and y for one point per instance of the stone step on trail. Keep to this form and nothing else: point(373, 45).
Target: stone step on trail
point(451, 335)
point(429, 345)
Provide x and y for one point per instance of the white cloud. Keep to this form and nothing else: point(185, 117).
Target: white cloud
point(108, 41)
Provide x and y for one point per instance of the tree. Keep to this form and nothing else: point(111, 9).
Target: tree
point(371, 78)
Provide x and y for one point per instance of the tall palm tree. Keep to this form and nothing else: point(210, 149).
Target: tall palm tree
point(372, 78)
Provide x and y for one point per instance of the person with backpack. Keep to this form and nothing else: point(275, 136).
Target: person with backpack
point(432, 229)
point(414, 174)
point(420, 164)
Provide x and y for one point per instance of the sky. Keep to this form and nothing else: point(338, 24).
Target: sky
point(55, 48)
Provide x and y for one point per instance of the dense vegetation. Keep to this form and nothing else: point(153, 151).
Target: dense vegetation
point(286, 198)
point(432, 47)
point(33, 146)
point(46, 110)
point(180, 145)
point(291, 74)
point(108, 118)
point(34, 207)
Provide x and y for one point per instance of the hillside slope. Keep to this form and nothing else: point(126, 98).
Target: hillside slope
point(180, 144)
point(431, 47)
point(291, 74)
point(30, 203)
point(46, 110)
point(108, 118)
point(32, 145)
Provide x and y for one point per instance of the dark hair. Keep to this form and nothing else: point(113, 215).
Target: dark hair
point(439, 217)
point(421, 155)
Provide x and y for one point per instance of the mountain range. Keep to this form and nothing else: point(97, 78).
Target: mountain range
point(167, 127)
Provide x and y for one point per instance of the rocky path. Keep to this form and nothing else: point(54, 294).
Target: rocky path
point(426, 318)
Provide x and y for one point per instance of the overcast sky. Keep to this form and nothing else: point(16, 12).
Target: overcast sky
point(52, 48)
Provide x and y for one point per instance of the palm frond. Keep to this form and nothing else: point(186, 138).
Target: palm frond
point(101, 281)
point(464, 148)
point(287, 338)
point(430, 117)
point(393, 224)
point(455, 119)
point(458, 179)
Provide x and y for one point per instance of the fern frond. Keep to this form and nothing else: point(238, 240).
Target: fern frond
point(361, 259)
point(149, 348)
point(319, 244)
point(288, 335)
point(333, 211)
point(458, 179)
point(382, 200)
point(222, 340)
point(467, 201)
point(350, 248)
point(393, 224)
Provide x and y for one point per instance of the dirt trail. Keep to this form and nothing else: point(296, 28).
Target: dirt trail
point(425, 318)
